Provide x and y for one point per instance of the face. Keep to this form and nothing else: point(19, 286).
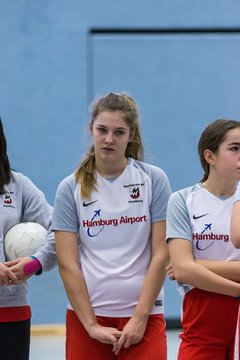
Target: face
point(227, 160)
point(111, 135)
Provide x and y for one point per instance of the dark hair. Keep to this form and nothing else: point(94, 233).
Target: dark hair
point(211, 139)
point(5, 170)
point(111, 102)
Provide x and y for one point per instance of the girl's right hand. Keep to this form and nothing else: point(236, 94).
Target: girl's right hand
point(7, 277)
point(106, 335)
point(170, 273)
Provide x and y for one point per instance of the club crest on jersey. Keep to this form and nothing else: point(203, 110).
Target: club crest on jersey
point(7, 199)
point(134, 192)
point(136, 196)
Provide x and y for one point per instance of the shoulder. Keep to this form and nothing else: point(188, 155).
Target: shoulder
point(149, 169)
point(20, 180)
point(181, 196)
point(18, 176)
point(68, 183)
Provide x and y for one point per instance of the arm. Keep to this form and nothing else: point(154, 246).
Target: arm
point(35, 208)
point(46, 254)
point(25, 267)
point(134, 330)
point(227, 269)
point(17, 267)
point(235, 224)
point(43, 260)
point(189, 271)
point(73, 279)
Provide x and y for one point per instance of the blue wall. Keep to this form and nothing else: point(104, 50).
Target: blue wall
point(179, 59)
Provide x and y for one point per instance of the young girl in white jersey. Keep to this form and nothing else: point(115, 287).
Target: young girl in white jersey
point(202, 255)
point(109, 223)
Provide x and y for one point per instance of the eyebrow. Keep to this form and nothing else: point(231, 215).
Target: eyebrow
point(234, 143)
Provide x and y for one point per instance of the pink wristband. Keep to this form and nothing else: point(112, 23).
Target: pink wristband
point(32, 267)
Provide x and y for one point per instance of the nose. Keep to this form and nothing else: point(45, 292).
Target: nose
point(109, 138)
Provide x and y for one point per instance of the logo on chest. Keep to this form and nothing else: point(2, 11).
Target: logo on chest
point(97, 223)
point(7, 200)
point(207, 237)
point(135, 192)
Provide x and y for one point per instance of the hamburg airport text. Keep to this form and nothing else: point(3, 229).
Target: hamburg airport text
point(115, 221)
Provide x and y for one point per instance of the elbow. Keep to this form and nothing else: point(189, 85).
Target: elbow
point(63, 267)
point(235, 238)
point(165, 258)
point(181, 273)
point(62, 270)
point(236, 242)
point(162, 259)
point(67, 267)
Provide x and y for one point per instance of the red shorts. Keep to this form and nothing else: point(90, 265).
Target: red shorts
point(209, 326)
point(80, 346)
point(237, 340)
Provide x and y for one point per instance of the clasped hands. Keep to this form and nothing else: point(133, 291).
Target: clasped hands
point(11, 272)
point(131, 334)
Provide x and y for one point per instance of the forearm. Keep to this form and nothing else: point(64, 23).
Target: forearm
point(46, 254)
point(198, 276)
point(188, 271)
point(78, 296)
point(227, 269)
point(153, 283)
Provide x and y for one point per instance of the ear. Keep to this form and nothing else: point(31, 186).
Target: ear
point(131, 136)
point(209, 157)
point(90, 126)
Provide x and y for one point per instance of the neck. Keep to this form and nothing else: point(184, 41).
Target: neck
point(220, 187)
point(111, 170)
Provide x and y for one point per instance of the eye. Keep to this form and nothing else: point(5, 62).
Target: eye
point(235, 148)
point(101, 130)
point(120, 132)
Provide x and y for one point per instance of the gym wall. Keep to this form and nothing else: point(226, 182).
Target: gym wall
point(178, 59)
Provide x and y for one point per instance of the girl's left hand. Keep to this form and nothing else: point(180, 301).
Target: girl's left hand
point(16, 266)
point(132, 333)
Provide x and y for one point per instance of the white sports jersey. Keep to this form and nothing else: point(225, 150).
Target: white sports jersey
point(197, 215)
point(114, 227)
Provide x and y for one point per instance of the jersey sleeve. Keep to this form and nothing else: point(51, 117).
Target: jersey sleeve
point(161, 191)
point(178, 226)
point(65, 215)
point(178, 222)
point(46, 254)
point(37, 209)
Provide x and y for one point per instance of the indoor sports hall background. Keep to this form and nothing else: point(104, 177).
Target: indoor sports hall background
point(180, 60)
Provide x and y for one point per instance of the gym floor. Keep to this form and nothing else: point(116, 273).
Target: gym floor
point(50, 345)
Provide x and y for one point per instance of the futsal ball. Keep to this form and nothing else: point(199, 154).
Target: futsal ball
point(23, 239)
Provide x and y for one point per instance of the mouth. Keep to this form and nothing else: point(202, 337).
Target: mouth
point(108, 149)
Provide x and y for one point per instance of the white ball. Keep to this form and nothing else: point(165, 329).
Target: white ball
point(23, 239)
